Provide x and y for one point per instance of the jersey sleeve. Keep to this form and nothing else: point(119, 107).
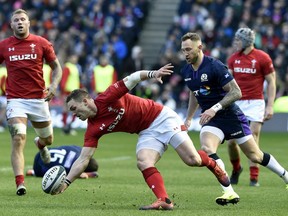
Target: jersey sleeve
point(48, 50)
point(91, 139)
point(267, 64)
point(222, 73)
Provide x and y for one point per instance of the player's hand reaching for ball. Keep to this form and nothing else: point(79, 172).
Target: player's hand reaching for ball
point(61, 189)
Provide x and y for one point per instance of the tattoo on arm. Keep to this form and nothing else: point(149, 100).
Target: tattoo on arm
point(233, 93)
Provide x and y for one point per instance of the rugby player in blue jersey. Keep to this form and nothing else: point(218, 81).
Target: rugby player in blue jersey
point(214, 89)
point(64, 156)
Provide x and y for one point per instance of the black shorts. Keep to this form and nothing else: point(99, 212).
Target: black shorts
point(232, 122)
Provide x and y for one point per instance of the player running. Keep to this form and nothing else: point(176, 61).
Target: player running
point(215, 90)
point(255, 66)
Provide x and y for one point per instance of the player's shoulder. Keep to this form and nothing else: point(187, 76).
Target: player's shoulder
point(213, 63)
point(38, 38)
point(234, 56)
point(185, 68)
point(7, 41)
point(211, 60)
point(260, 53)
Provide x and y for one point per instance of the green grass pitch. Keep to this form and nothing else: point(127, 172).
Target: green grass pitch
point(120, 189)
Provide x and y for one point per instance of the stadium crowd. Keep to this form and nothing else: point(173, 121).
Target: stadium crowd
point(217, 21)
point(91, 28)
point(87, 28)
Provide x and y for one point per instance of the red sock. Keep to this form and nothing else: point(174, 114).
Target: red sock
point(19, 179)
point(206, 160)
point(236, 164)
point(254, 172)
point(155, 181)
point(39, 145)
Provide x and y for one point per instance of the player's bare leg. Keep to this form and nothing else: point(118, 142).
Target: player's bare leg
point(210, 143)
point(252, 151)
point(17, 129)
point(45, 138)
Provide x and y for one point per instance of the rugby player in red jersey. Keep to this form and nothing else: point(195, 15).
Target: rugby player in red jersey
point(27, 97)
point(157, 126)
point(250, 68)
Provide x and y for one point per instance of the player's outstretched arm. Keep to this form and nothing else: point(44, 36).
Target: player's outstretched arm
point(77, 168)
point(132, 80)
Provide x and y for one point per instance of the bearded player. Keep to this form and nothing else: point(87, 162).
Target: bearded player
point(251, 67)
point(27, 97)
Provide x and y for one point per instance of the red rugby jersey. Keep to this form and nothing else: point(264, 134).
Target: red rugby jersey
point(249, 72)
point(24, 61)
point(119, 111)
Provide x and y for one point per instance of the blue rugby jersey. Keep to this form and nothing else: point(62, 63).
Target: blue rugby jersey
point(62, 155)
point(206, 83)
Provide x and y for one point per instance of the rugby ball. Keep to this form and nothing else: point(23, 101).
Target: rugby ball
point(53, 179)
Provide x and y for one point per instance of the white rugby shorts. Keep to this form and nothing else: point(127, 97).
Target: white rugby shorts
point(158, 135)
point(254, 110)
point(36, 110)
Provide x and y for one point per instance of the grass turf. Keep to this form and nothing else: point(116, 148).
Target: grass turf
point(120, 189)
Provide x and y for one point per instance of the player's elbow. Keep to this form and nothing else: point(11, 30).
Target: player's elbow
point(238, 94)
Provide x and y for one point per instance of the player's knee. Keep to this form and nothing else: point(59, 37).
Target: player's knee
point(193, 161)
point(18, 140)
point(140, 165)
point(17, 129)
point(45, 134)
point(48, 140)
point(207, 149)
point(143, 164)
point(256, 157)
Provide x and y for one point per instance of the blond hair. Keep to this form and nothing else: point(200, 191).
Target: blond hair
point(191, 36)
point(19, 11)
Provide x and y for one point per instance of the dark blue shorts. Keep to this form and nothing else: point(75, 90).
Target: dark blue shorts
point(232, 122)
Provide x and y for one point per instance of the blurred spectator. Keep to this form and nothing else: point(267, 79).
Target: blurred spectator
point(91, 28)
point(47, 75)
point(3, 101)
point(166, 97)
point(81, 26)
point(135, 62)
point(217, 21)
point(281, 105)
point(103, 75)
point(71, 80)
